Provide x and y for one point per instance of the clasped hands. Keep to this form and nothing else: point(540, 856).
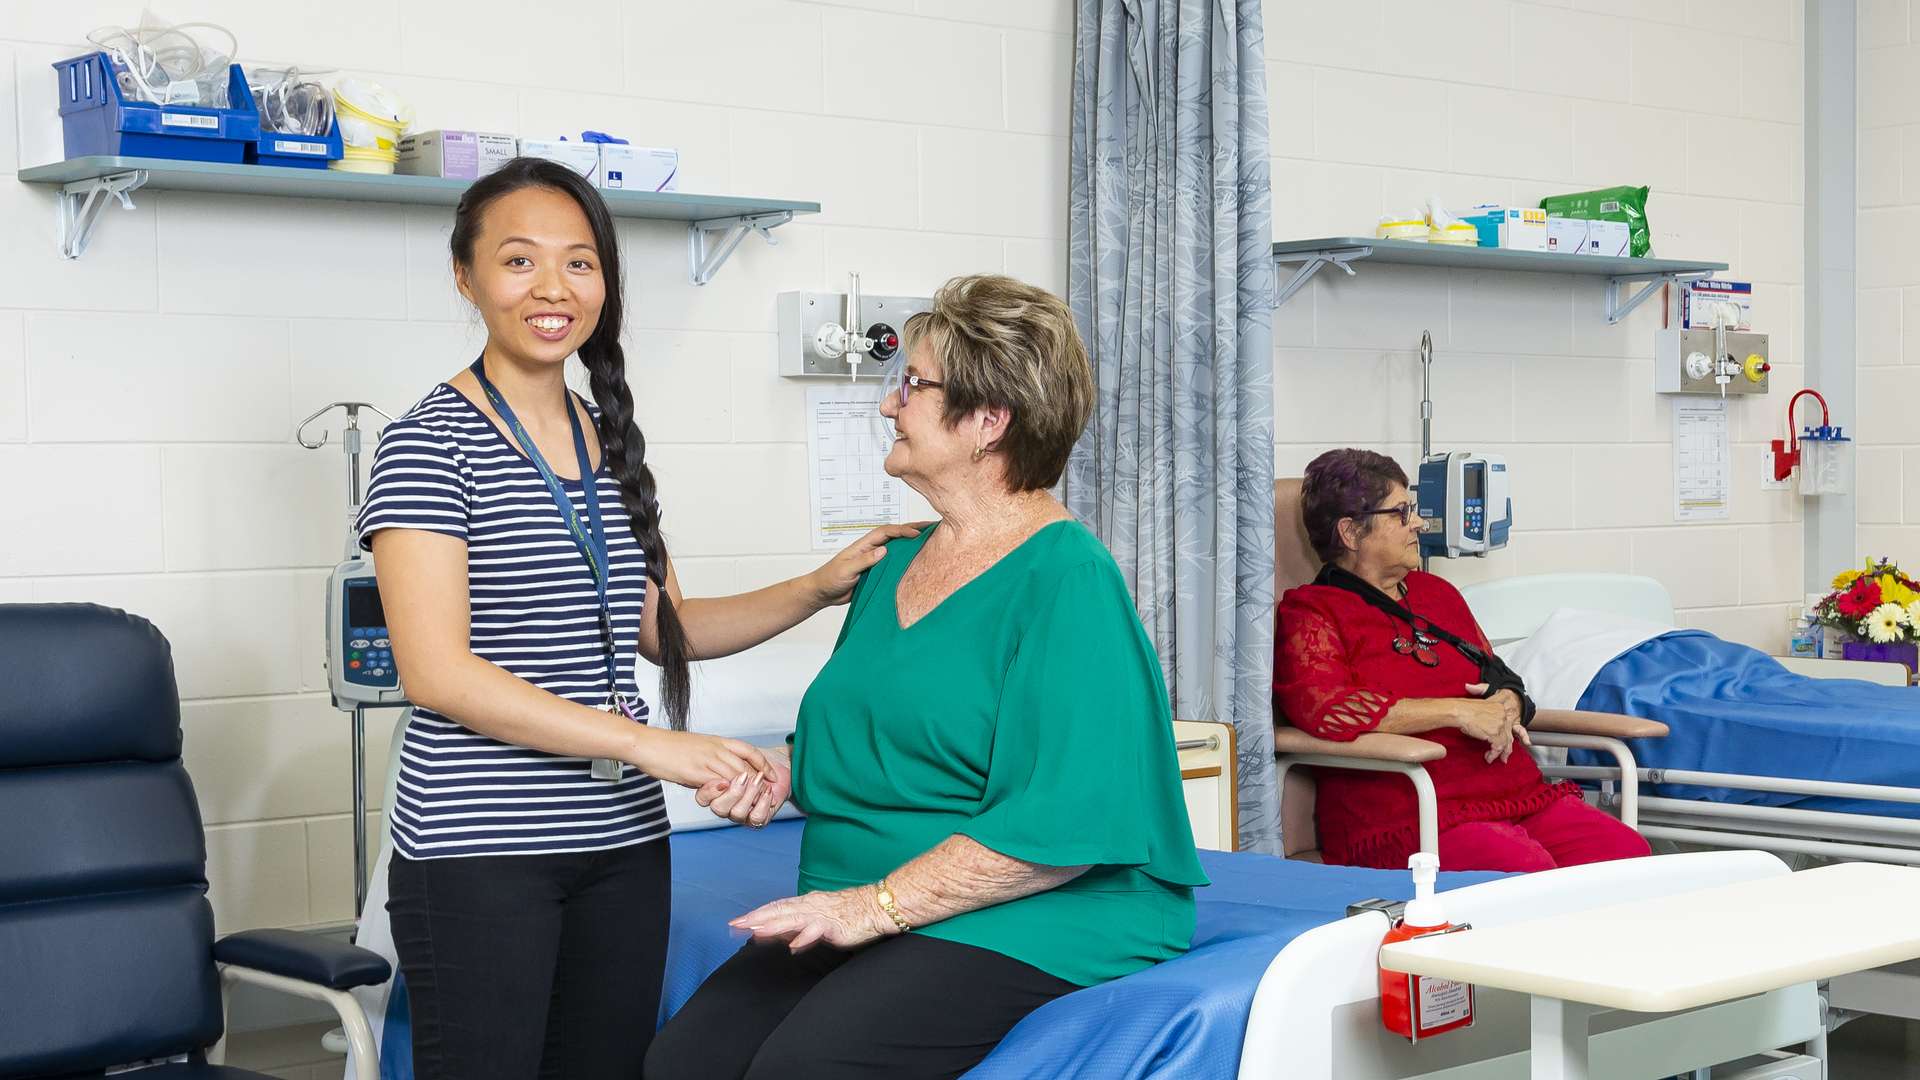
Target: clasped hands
point(1494, 720)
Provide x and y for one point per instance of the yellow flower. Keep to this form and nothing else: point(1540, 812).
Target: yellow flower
point(1893, 592)
point(1845, 578)
point(1885, 624)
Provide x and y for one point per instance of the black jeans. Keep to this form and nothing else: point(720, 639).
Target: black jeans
point(908, 1008)
point(521, 966)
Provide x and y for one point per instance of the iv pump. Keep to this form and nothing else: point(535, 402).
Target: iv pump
point(359, 657)
point(1465, 498)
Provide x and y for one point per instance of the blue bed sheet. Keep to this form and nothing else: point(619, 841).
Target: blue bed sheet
point(1185, 1018)
point(1733, 709)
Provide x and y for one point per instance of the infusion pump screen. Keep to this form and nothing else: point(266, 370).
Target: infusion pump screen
point(363, 607)
point(1472, 488)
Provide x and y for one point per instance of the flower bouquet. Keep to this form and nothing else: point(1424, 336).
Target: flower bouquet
point(1877, 610)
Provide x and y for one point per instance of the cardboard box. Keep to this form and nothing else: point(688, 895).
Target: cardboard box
point(1699, 300)
point(639, 168)
point(1522, 228)
point(1610, 238)
point(457, 155)
point(581, 157)
point(1567, 236)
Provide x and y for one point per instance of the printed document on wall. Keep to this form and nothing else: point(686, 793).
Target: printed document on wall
point(1702, 461)
point(847, 440)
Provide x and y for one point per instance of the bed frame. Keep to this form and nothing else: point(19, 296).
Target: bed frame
point(1513, 608)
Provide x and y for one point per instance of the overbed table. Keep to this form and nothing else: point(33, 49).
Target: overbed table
point(1679, 952)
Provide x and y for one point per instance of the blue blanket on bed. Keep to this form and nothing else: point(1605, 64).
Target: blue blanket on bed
point(1733, 709)
point(1183, 1018)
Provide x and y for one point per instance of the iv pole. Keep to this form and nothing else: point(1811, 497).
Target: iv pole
point(1426, 415)
point(350, 443)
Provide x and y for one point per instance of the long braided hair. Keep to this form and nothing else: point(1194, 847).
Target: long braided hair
point(624, 448)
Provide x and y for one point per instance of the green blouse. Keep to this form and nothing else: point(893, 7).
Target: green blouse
point(1026, 711)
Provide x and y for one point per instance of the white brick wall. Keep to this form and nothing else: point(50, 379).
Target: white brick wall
point(1379, 103)
point(1887, 470)
point(166, 368)
point(176, 368)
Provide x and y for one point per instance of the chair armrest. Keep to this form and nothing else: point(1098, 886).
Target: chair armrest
point(1610, 725)
point(1373, 746)
point(304, 957)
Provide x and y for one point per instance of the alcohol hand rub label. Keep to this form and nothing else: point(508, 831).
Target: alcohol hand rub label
point(1442, 1002)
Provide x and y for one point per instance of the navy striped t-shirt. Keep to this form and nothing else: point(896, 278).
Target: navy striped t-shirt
point(444, 468)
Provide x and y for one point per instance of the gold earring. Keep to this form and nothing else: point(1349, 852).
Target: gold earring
point(979, 452)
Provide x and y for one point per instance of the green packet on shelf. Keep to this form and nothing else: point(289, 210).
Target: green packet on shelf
point(1628, 204)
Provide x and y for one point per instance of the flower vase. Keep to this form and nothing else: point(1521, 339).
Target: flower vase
point(1902, 652)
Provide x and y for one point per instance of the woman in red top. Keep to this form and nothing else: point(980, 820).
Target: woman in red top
point(1345, 665)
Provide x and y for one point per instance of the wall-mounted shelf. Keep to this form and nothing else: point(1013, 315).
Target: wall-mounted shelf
point(715, 223)
point(1342, 251)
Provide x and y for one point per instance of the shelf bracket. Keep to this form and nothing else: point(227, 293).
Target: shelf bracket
point(711, 242)
point(1310, 264)
point(81, 202)
point(1616, 310)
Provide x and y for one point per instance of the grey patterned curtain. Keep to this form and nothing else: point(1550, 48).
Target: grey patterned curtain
point(1170, 277)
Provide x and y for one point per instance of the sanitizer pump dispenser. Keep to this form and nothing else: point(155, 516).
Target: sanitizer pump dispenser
point(1417, 1007)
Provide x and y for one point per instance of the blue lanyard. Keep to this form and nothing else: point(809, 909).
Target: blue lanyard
point(591, 540)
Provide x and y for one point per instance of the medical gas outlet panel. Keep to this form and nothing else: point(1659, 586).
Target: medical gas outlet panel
point(1709, 345)
point(1711, 362)
point(828, 334)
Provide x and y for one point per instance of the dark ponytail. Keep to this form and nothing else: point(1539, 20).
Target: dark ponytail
point(621, 443)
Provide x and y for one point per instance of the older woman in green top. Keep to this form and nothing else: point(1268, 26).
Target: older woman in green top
point(994, 814)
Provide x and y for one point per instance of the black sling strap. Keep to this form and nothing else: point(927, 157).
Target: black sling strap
point(1493, 670)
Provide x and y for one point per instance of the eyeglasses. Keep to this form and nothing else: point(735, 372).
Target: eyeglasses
point(1405, 510)
point(897, 382)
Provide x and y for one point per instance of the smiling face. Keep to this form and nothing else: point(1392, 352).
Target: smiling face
point(923, 444)
point(535, 276)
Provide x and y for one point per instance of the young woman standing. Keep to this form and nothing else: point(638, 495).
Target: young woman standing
point(517, 538)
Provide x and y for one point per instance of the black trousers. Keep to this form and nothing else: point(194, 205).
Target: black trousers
point(521, 966)
point(908, 1007)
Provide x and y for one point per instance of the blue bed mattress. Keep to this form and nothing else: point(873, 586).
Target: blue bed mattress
point(1733, 709)
point(1184, 1018)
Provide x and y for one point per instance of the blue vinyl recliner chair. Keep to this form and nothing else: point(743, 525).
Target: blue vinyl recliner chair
point(107, 954)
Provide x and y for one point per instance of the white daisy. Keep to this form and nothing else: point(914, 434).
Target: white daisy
point(1886, 624)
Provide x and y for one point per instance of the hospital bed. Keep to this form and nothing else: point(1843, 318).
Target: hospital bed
point(1706, 804)
point(1790, 809)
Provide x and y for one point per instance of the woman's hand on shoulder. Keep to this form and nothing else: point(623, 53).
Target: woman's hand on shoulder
point(833, 583)
point(845, 919)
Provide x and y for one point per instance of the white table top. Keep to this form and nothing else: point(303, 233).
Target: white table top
point(1694, 948)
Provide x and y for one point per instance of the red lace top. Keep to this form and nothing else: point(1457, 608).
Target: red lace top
point(1336, 674)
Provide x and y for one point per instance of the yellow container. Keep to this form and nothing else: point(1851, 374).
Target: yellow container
point(352, 165)
point(366, 130)
point(1401, 229)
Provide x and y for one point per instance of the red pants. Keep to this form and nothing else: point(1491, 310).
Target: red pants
point(1567, 833)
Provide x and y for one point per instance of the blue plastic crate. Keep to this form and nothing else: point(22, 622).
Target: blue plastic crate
point(97, 118)
point(296, 151)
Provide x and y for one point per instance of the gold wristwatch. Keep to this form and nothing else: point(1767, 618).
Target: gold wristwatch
point(884, 894)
